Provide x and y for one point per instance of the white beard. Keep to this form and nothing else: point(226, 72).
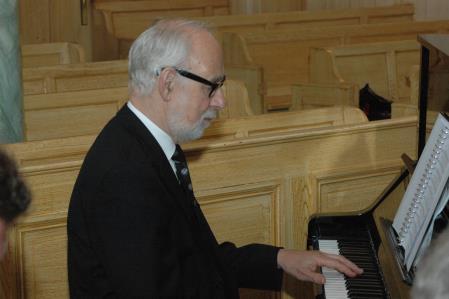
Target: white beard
point(184, 133)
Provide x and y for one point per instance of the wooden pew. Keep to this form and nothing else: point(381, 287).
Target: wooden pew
point(75, 77)
point(237, 101)
point(51, 54)
point(269, 49)
point(411, 108)
point(260, 189)
point(67, 114)
point(284, 122)
point(302, 96)
point(126, 22)
point(77, 113)
point(308, 19)
point(110, 74)
point(122, 16)
point(129, 26)
point(85, 112)
point(384, 66)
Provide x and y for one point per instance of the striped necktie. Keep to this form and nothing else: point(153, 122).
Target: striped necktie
point(182, 172)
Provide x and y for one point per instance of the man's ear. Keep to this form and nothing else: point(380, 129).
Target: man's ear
point(166, 81)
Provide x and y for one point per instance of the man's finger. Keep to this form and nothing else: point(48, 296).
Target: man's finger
point(314, 277)
point(341, 264)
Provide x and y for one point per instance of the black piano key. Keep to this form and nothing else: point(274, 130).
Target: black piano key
point(370, 283)
point(358, 247)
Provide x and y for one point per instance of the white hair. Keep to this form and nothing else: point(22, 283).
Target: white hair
point(431, 280)
point(166, 43)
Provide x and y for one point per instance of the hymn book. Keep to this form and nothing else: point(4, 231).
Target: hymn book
point(426, 194)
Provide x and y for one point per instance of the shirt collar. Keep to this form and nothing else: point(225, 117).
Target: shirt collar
point(164, 140)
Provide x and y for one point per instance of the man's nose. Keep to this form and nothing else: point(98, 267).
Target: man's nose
point(218, 100)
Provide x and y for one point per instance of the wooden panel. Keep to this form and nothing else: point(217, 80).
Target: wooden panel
point(48, 195)
point(244, 214)
point(43, 265)
point(352, 191)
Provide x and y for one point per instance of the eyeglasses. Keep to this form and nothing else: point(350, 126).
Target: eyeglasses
point(214, 86)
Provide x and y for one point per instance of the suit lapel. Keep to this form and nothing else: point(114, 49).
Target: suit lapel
point(157, 158)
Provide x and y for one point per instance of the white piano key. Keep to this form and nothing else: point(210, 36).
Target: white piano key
point(335, 286)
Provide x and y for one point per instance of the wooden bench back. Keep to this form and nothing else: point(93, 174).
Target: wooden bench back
point(127, 21)
point(284, 122)
point(75, 77)
point(51, 54)
point(124, 18)
point(384, 66)
point(310, 95)
point(285, 54)
point(75, 113)
point(85, 112)
point(133, 23)
point(260, 189)
point(111, 74)
point(271, 49)
point(237, 100)
point(308, 19)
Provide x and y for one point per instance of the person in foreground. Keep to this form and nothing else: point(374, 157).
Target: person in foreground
point(431, 280)
point(134, 226)
point(14, 197)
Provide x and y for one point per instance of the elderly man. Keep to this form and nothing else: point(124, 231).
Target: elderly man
point(134, 226)
point(14, 197)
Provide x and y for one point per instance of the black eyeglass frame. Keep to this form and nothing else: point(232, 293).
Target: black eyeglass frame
point(214, 86)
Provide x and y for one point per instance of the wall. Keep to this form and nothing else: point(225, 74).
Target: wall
point(45, 21)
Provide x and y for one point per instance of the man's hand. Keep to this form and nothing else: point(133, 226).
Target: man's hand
point(304, 264)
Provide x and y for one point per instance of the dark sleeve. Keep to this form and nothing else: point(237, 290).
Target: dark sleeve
point(253, 266)
point(130, 224)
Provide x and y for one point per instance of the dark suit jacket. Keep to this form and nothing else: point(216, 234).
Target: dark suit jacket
point(132, 232)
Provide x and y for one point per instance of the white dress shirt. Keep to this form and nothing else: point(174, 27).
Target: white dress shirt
point(164, 140)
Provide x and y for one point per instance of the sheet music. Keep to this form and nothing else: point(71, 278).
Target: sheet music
point(428, 235)
point(416, 214)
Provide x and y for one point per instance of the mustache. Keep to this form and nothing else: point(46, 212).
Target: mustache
point(210, 113)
